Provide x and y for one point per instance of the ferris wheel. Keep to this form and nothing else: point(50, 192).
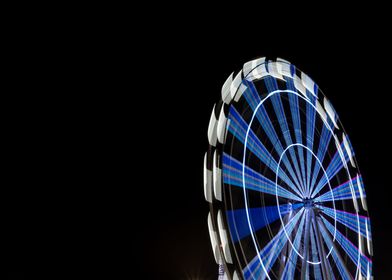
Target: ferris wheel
point(287, 200)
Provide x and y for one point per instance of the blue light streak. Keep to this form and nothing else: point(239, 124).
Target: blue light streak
point(310, 122)
point(272, 85)
point(316, 268)
point(238, 128)
point(325, 138)
point(294, 108)
point(259, 217)
point(349, 220)
point(254, 101)
point(289, 269)
point(351, 250)
point(343, 191)
point(310, 126)
point(333, 168)
point(232, 174)
point(270, 252)
point(338, 263)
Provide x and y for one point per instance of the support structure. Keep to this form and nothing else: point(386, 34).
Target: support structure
point(323, 257)
point(341, 261)
point(306, 243)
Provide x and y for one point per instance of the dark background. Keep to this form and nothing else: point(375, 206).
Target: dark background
point(117, 185)
point(349, 61)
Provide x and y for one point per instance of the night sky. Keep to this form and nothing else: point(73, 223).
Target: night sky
point(120, 188)
point(353, 73)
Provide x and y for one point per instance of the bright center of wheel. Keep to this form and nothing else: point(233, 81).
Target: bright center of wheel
point(308, 203)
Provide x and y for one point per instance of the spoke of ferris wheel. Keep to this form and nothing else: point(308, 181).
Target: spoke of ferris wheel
point(272, 85)
point(259, 217)
point(349, 220)
point(351, 250)
point(315, 255)
point(304, 266)
point(269, 254)
point(326, 271)
point(310, 126)
point(253, 99)
point(275, 251)
point(294, 107)
point(293, 100)
point(285, 251)
point(238, 128)
point(343, 191)
point(232, 174)
point(340, 263)
point(325, 138)
point(289, 269)
point(329, 268)
point(333, 168)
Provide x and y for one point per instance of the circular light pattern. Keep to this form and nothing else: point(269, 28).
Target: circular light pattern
point(308, 202)
point(286, 197)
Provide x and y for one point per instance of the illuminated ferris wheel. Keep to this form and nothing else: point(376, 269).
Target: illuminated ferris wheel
point(286, 197)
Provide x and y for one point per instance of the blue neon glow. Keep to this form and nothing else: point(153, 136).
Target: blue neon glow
point(295, 116)
point(349, 220)
point(254, 101)
point(232, 174)
point(272, 85)
point(325, 138)
point(330, 269)
point(259, 217)
point(342, 192)
point(270, 252)
point(333, 168)
point(289, 269)
point(315, 257)
point(351, 250)
point(301, 122)
point(310, 126)
point(345, 275)
point(238, 128)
